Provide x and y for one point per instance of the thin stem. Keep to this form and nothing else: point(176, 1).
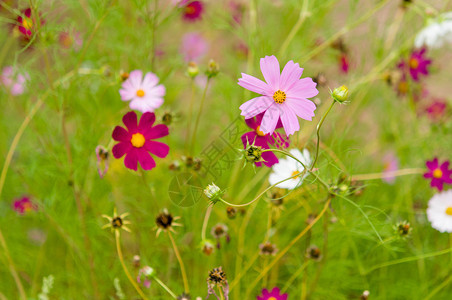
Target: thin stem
point(294, 276)
point(287, 248)
point(154, 26)
point(181, 263)
point(206, 221)
point(304, 14)
point(12, 268)
point(199, 114)
point(165, 287)
point(121, 259)
point(318, 135)
point(190, 113)
point(402, 172)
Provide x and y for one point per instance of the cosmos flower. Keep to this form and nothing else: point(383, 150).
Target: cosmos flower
point(70, 39)
point(417, 64)
point(390, 164)
point(437, 109)
point(27, 24)
point(344, 63)
point(13, 81)
point(437, 32)
point(439, 174)
point(193, 47)
point(258, 138)
point(439, 211)
point(24, 205)
point(116, 222)
point(165, 222)
point(137, 141)
point(275, 294)
point(144, 276)
point(192, 10)
point(288, 167)
point(145, 93)
point(283, 96)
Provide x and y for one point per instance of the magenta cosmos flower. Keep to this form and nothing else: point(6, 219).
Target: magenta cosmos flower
point(144, 94)
point(283, 96)
point(192, 10)
point(275, 294)
point(258, 138)
point(417, 64)
point(438, 173)
point(194, 46)
point(24, 205)
point(27, 24)
point(137, 141)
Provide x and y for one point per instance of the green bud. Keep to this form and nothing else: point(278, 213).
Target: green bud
point(212, 69)
point(213, 192)
point(253, 153)
point(340, 94)
point(192, 69)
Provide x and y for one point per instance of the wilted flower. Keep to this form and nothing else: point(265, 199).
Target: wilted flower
point(314, 253)
point(184, 296)
point(439, 211)
point(219, 230)
point(217, 278)
point(439, 174)
point(165, 222)
point(144, 275)
point(268, 249)
point(231, 212)
point(102, 160)
point(283, 96)
point(275, 294)
point(116, 222)
point(207, 247)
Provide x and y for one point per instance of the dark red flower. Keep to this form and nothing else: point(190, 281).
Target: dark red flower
point(27, 24)
point(24, 205)
point(193, 11)
point(138, 141)
point(258, 138)
point(438, 173)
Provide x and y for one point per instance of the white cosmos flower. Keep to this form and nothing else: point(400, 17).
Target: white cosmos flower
point(439, 211)
point(288, 167)
point(437, 32)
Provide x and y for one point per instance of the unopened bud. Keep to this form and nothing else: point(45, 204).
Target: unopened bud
point(340, 94)
point(212, 69)
point(192, 69)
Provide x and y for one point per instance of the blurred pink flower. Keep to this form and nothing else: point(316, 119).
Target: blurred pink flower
point(344, 63)
point(24, 205)
point(283, 96)
point(437, 109)
point(14, 81)
point(144, 94)
point(417, 64)
point(27, 24)
point(70, 39)
point(275, 294)
point(194, 46)
point(390, 164)
point(192, 10)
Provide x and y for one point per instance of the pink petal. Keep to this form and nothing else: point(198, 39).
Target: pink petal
point(130, 120)
point(128, 92)
point(131, 160)
point(290, 75)
point(120, 134)
point(255, 85)
point(150, 80)
point(271, 71)
point(270, 119)
point(303, 108)
point(255, 106)
point(146, 121)
point(158, 91)
point(141, 105)
point(290, 121)
point(146, 160)
point(120, 149)
point(157, 148)
point(156, 132)
point(304, 88)
point(135, 78)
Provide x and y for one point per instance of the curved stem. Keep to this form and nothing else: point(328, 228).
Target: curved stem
point(206, 221)
point(198, 117)
point(402, 172)
point(165, 287)
point(181, 263)
point(318, 135)
point(12, 269)
point(121, 259)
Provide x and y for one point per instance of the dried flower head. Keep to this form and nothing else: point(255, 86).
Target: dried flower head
point(231, 212)
point(268, 249)
point(136, 260)
point(184, 296)
point(365, 295)
point(217, 278)
point(116, 221)
point(102, 156)
point(207, 247)
point(165, 221)
point(253, 153)
point(314, 253)
point(219, 230)
point(403, 229)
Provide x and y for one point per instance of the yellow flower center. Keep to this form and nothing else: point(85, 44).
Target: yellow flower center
point(259, 132)
point(279, 96)
point(189, 9)
point(403, 87)
point(140, 93)
point(437, 173)
point(137, 140)
point(28, 206)
point(449, 211)
point(272, 298)
point(295, 173)
point(27, 23)
point(414, 63)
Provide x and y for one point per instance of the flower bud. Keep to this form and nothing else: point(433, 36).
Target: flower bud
point(340, 94)
point(253, 153)
point(212, 69)
point(213, 192)
point(192, 69)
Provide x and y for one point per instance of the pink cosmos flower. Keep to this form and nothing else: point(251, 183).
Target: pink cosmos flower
point(438, 173)
point(70, 39)
point(24, 205)
point(390, 164)
point(258, 138)
point(344, 63)
point(192, 10)
point(275, 294)
point(417, 64)
point(144, 275)
point(194, 46)
point(136, 142)
point(283, 96)
point(145, 94)
point(27, 24)
point(436, 110)
point(15, 82)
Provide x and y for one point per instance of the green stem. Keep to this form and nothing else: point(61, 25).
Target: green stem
point(304, 14)
point(205, 222)
point(12, 268)
point(402, 172)
point(181, 263)
point(165, 287)
point(199, 115)
point(318, 135)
